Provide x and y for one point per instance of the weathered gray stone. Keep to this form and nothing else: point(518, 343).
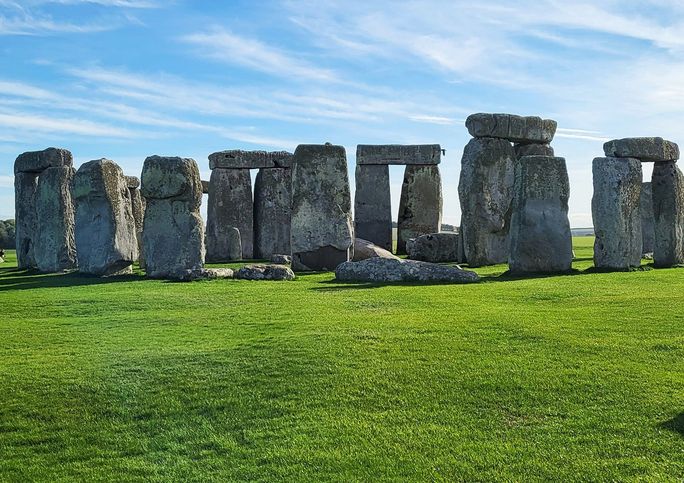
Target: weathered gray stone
point(238, 159)
point(517, 129)
point(485, 190)
point(647, 220)
point(402, 154)
point(272, 211)
point(229, 206)
point(54, 249)
point(39, 161)
point(173, 233)
point(321, 230)
point(667, 183)
point(280, 259)
point(420, 204)
point(373, 205)
point(396, 270)
point(541, 241)
point(26, 231)
point(532, 150)
point(364, 249)
point(644, 149)
point(265, 272)
point(132, 182)
point(435, 247)
point(192, 275)
point(615, 210)
point(205, 187)
point(104, 226)
point(138, 211)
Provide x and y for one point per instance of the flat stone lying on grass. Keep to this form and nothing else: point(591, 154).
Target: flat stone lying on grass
point(647, 219)
point(667, 183)
point(397, 270)
point(203, 274)
point(265, 272)
point(239, 159)
point(281, 259)
point(615, 211)
point(435, 247)
point(645, 149)
point(364, 249)
point(401, 154)
point(517, 129)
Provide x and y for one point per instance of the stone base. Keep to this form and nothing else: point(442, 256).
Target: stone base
point(323, 259)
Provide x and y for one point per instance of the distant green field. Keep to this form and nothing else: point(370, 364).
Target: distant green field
point(567, 378)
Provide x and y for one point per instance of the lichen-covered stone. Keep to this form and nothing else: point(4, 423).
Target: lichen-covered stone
point(364, 249)
point(192, 275)
point(420, 204)
point(647, 219)
point(615, 210)
point(645, 149)
point(667, 183)
point(265, 272)
point(321, 230)
point(373, 205)
point(401, 154)
point(280, 259)
point(435, 247)
point(396, 270)
point(272, 212)
point(517, 129)
point(39, 161)
point(132, 182)
point(105, 232)
point(25, 186)
point(541, 241)
point(533, 149)
point(171, 178)
point(138, 210)
point(238, 159)
point(485, 190)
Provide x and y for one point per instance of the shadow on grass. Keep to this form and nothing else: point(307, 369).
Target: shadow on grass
point(675, 424)
point(15, 279)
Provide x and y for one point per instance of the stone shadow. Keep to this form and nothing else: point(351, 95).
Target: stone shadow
point(675, 424)
point(12, 279)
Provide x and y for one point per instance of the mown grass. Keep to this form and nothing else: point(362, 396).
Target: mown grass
point(577, 377)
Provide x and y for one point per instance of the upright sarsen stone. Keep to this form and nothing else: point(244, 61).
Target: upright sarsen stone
point(485, 190)
point(138, 210)
point(616, 213)
point(229, 206)
point(647, 219)
point(373, 205)
point(106, 242)
point(541, 241)
point(321, 231)
point(54, 249)
point(272, 212)
point(420, 204)
point(173, 233)
point(25, 186)
point(667, 183)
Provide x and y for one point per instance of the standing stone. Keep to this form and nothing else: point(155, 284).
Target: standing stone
point(647, 219)
point(435, 248)
point(485, 190)
point(54, 248)
point(541, 241)
point(373, 205)
point(420, 204)
point(230, 206)
point(173, 233)
point(138, 210)
point(615, 210)
point(532, 150)
point(272, 211)
point(25, 185)
point(106, 242)
point(321, 230)
point(667, 183)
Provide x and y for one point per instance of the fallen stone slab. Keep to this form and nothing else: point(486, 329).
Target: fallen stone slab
point(398, 154)
point(397, 270)
point(541, 241)
point(39, 161)
point(202, 274)
point(435, 248)
point(279, 259)
point(615, 211)
point(420, 204)
point(373, 205)
point(647, 220)
point(653, 149)
point(533, 150)
point(517, 129)
point(239, 159)
point(265, 272)
point(364, 249)
point(667, 183)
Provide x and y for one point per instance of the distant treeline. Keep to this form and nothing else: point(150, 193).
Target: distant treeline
point(7, 234)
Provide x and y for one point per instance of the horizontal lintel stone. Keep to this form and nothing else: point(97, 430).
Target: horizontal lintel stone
point(38, 161)
point(398, 154)
point(239, 159)
point(653, 149)
point(517, 129)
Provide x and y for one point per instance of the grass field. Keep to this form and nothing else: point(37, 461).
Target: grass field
point(569, 378)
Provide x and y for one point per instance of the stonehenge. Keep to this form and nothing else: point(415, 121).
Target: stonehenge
point(321, 230)
point(668, 208)
point(173, 232)
point(647, 220)
point(105, 229)
point(420, 207)
point(616, 213)
point(436, 247)
point(44, 210)
point(541, 241)
point(262, 221)
point(378, 269)
point(138, 209)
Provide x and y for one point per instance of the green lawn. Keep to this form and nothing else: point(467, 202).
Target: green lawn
point(577, 377)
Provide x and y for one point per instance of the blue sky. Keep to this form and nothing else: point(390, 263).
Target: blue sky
point(125, 79)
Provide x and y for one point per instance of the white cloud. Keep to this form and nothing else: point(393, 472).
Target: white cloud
point(6, 181)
